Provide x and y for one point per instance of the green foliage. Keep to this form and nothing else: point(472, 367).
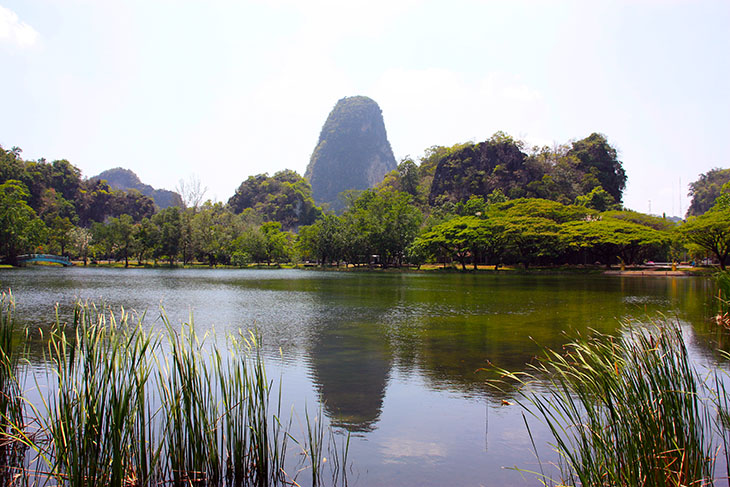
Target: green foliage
point(381, 223)
point(323, 241)
point(561, 173)
point(474, 206)
point(213, 228)
point(121, 232)
point(535, 207)
point(706, 189)
point(598, 199)
point(597, 157)
point(534, 239)
point(711, 232)
point(623, 410)
point(169, 222)
point(20, 228)
point(655, 222)
point(277, 244)
point(285, 197)
point(121, 412)
point(466, 237)
point(611, 238)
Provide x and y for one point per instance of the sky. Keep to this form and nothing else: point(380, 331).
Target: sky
point(221, 90)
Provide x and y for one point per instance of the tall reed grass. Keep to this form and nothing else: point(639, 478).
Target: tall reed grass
point(126, 406)
point(624, 411)
point(722, 278)
point(12, 419)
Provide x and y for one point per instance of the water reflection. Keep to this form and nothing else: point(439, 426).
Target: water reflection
point(349, 351)
point(388, 353)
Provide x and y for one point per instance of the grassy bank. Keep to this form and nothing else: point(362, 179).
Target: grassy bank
point(127, 407)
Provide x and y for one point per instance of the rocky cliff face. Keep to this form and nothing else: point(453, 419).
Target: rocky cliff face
point(480, 169)
point(353, 151)
point(124, 179)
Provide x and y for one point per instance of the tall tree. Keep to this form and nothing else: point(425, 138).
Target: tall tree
point(20, 228)
point(169, 223)
point(711, 232)
point(121, 231)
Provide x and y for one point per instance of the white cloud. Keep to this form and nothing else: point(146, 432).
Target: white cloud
point(400, 449)
point(15, 31)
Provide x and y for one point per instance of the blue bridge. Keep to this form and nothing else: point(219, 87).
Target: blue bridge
point(55, 259)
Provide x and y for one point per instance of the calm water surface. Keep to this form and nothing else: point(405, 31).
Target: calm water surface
point(394, 357)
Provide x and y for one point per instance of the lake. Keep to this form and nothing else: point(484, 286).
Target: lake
point(394, 357)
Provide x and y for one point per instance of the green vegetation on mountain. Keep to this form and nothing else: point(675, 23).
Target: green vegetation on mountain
point(353, 152)
point(706, 189)
point(125, 180)
point(285, 197)
point(563, 173)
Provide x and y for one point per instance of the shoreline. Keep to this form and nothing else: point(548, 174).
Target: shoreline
point(426, 269)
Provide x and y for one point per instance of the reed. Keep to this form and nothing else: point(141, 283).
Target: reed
point(129, 407)
point(99, 368)
point(626, 410)
point(12, 418)
point(722, 278)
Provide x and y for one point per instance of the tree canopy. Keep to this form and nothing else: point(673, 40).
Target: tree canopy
point(285, 197)
point(706, 189)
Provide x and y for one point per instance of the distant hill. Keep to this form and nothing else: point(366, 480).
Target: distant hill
point(124, 179)
point(285, 197)
point(353, 151)
point(499, 163)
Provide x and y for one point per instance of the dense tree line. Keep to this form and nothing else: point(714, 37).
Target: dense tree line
point(48, 207)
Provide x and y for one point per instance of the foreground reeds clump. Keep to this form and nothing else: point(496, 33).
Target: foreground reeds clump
point(124, 406)
point(12, 420)
point(624, 411)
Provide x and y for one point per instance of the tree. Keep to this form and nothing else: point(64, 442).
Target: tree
point(408, 175)
point(121, 231)
point(532, 239)
point(169, 223)
point(598, 199)
point(60, 233)
point(146, 234)
point(20, 227)
point(213, 230)
point(536, 207)
point(81, 239)
point(322, 241)
point(192, 192)
point(610, 238)
point(706, 189)
point(132, 203)
point(103, 241)
point(453, 238)
point(276, 242)
point(382, 223)
point(711, 232)
point(249, 246)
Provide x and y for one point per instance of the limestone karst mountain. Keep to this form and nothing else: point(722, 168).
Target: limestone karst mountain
point(124, 179)
point(353, 151)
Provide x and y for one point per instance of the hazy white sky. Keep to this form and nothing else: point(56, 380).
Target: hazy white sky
point(227, 89)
